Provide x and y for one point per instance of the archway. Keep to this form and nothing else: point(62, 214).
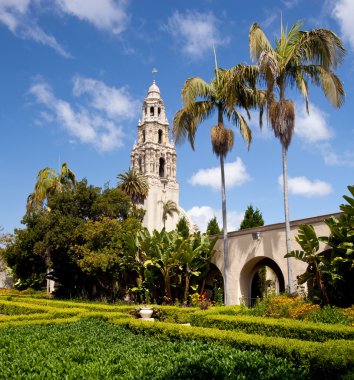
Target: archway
point(162, 167)
point(214, 284)
point(258, 277)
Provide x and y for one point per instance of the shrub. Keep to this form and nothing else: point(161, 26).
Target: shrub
point(329, 314)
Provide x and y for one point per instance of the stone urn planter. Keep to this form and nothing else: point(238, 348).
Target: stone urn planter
point(146, 312)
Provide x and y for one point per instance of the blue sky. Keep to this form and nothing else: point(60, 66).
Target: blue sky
point(74, 74)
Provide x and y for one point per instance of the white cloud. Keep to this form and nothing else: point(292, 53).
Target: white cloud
point(202, 215)
point(290, 3)
point(20, 17)
point(195, 32)
point(116, 102)
point(307, 188)
point(108, 15)
point(343, 12)
point(312, 127)
point(235, 175)
point(94, 125)
point(16, 15)
point(332, 158)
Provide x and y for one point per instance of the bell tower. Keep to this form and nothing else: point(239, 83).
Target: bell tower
point(155, 156)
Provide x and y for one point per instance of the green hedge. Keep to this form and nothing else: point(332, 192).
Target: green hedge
point(330, 359)
point(92, 349)
point(286, 328)
point(41, 322)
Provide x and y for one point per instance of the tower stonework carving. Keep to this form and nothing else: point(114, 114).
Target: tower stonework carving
point(154, 154)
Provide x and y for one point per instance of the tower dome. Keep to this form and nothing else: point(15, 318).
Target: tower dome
point(154, 91)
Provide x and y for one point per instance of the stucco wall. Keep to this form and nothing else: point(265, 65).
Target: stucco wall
point(246, 251)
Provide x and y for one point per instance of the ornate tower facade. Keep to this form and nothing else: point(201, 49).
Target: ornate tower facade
point(154, 154)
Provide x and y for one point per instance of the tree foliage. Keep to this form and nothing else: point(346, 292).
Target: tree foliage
point(48, 183)
point(200, 101)
point(135, 185)
point(213, 227)
point(182, 227)
point(332, 270)
point(169, 208)
point(296, 58)
point(90, 242)
point(252, 218)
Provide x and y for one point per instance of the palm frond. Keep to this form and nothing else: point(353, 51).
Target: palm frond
point(330, 83)
point(258, 42)
point(195, 88)
point(320, 46)
point(134, 184)
point(187, 120)
point(269, 69)
point(303, 88)
point(240, 122)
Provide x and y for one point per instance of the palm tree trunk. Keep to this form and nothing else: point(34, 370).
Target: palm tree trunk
point(287, 220)
point(224, 223)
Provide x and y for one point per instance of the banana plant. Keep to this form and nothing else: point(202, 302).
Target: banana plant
point(317, 262)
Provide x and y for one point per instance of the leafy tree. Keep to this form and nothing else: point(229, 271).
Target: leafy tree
point(298, 56)
point(103, 254)
point(168, 209)
point(48, 183)
point(182, 227)
point(252, 218)
point(49, 238)
point(134, 184)
point(213, 227)
point(200, 100)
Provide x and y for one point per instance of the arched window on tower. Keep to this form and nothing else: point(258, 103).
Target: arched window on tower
point(162, 167)
point(146, 111)
point(151, 111)
point(159, 112)
point(160, 137)
point(143, 135)
point(140, 165)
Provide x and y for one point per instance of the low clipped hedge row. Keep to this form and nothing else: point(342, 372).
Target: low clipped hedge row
point(331, 359)
point(92, 349)
point(286, 328)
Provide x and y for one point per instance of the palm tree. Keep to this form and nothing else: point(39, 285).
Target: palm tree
point(298, 56)
point(49, 182)
point(134, 184)
point(168, 209)
point(200, 100)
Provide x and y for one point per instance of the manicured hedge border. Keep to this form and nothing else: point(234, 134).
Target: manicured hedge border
point(328, 360)
point(286, 328)
point(33, 322)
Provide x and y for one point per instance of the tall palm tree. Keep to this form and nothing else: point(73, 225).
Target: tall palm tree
point(134, 184)
point(298, 56)
point(49, 182)
point(168, 209)
point(200, 100)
